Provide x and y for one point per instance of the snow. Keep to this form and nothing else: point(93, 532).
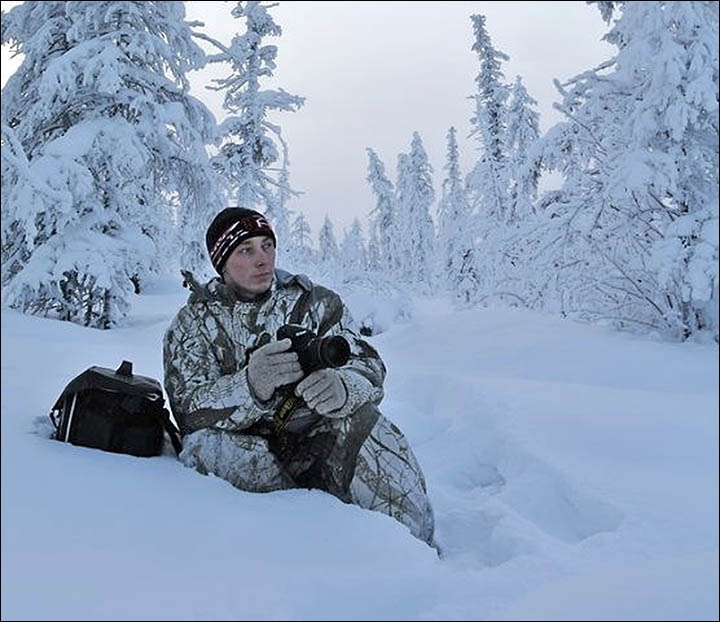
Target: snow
point(573, 472)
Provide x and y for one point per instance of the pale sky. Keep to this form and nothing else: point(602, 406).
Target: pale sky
point(373, 73)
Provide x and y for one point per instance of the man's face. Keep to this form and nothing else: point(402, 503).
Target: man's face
point(251, 266)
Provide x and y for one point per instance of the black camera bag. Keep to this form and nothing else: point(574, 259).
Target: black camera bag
point(116, 411)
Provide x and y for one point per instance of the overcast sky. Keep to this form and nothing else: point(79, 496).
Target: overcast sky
point(373, 73)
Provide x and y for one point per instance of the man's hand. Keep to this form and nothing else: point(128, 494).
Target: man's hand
point(323, 391)
point(272, 366)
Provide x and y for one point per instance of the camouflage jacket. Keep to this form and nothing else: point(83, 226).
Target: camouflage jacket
point(206, 347)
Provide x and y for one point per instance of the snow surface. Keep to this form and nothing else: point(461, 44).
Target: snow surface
point(573, 472)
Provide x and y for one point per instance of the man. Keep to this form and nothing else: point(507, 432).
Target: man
point(251, 413)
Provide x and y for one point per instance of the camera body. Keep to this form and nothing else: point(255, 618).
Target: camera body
point(315, 352)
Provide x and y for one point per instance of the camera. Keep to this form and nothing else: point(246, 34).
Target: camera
point(315, 352)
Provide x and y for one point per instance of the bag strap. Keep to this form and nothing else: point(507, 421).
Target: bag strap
point(56, 416)
point(172, 431)
point(126, 369)
point(300, 307)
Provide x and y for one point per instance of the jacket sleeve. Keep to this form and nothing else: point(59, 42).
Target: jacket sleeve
point(200, 390)
point(364, 373)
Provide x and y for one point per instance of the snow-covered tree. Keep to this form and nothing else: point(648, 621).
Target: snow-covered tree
point(252, 156)
point(415, 194)
point(508, 248)
point(282, 217)
point(633, 233)
point(467, 287)
point(102, 144)
point(523, 131)
point(300, 247)
point(328, 250)
point(373, 251)
point(455, 223)
point(383, 224)
point(353, 252)
point(488, 181)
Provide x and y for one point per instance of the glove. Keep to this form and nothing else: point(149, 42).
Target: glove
point(272, 366)
point(323, 391)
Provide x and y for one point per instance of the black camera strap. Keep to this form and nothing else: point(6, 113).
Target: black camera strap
point(301, 306)
point(282, 412)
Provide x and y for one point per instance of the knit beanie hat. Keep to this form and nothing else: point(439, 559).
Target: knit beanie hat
point(231, 227)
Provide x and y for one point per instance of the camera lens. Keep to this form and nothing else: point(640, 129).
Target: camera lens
point(334, 351)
